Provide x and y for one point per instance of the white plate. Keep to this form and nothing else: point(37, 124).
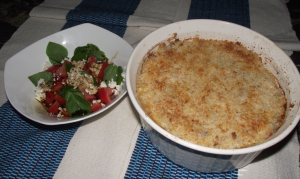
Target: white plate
point(20, 90)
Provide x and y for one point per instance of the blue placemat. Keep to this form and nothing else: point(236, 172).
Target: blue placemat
point(29, 149)
point(110, 14)
point(147, 162)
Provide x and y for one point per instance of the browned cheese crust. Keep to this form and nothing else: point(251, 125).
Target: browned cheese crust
point(212, 93)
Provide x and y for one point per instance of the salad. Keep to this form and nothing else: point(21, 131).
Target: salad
point(80, 85)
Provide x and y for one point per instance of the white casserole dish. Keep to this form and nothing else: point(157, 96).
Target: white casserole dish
point(205, 159)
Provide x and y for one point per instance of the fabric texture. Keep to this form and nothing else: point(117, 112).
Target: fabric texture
point(28, 149)
point(228, 10)
point(147, 162)
point(271, 18)
point(111, 15)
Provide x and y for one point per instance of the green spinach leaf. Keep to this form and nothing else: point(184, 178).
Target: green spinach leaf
point(47, 76)
point(113, 73)
point(80, 53)
point(119, 78)
point(85, 52)
point(56, 53)
point(75, 103)
point(68, 67)
point(71, 89)
point(100, 56)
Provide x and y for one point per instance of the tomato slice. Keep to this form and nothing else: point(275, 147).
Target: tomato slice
point(49, 97)
point(88, 64)
point(86, 67)
point(105, 94)
point(58, 85)
point(54, 68)
point(54, 108)
point(62, 71)
point(101, 73)
point(96, 107)
point(88, 97)
point(60, 100)
point(66, 114)
point(92, 59)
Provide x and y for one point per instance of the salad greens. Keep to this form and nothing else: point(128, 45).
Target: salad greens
point(47, 76)
point(56, 53)
point(86, 51)
point(68, 67)
point(113, 73)
point(75, 103)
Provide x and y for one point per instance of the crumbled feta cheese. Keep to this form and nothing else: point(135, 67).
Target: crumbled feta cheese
point(40, 82)
point(112, 84)
point(103, 84)
point(116, 92)
point(119, 87)
point(123, 75)
point(40, 91)
point(39, 94)
point(46, 66)
point(96, 101)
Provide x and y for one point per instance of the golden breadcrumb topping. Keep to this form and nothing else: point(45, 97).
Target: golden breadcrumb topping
point(212, 93)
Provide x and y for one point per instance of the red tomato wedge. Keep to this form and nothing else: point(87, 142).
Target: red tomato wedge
point(58, 85)
point(66, 114)
point(101, 73)
point(92, 59)
point(86, 67)
point(88, 97)
point(104, 94)
point(96, 107)
point(62, 72)
point(60, 100)
point(54, 108)
point(49, 97)
point(88, 64)
point(54, 68)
